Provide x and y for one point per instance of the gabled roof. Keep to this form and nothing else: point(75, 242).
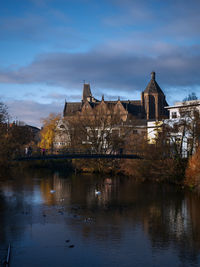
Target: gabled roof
point(152, 86)
point(86, 105)
point(72, 107)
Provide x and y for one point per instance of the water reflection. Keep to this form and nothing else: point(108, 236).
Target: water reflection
point(127, 224)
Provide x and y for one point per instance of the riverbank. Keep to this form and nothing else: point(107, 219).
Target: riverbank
point(60, 165)
point(166, 170)
point(171, 170)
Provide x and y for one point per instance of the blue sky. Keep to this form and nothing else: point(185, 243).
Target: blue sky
point(48, 47)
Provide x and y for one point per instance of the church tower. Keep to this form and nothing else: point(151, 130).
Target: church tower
point(153, 101)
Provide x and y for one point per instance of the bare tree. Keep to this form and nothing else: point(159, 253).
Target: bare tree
point(98, 130)
point(180, 136)
point(3, 113)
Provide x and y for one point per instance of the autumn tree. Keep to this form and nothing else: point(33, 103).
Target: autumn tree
point(13, 136)
point(192, 177)
point(48, 131)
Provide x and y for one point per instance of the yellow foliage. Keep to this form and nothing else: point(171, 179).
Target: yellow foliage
point(48, 131)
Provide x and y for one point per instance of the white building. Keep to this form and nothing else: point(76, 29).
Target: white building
point(190, 106)
point(184, 119)
point(183, 124)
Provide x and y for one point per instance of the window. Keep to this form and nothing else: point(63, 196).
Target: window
point(134, 131)
point(174, 115)
point(177, 140)
point(186, 113)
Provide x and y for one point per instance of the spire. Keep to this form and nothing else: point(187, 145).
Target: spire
point(152, 86)
point(102, 98)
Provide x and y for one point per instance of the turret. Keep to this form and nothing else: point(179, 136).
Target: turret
point(87, 95)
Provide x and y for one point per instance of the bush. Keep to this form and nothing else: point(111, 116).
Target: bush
point(170, 170)
point(192, 177)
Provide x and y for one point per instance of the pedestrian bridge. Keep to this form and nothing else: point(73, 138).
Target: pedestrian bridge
point(78, 156)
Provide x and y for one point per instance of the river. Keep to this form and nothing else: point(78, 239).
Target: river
point(54, 219)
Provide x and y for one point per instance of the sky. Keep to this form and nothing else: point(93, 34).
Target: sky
point(49, 47)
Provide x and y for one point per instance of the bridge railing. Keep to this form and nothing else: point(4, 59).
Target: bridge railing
point(71, 151)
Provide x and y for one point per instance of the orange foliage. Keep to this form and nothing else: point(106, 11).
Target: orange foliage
point(192, 177)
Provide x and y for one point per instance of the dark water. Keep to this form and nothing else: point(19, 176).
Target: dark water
point(128, 224)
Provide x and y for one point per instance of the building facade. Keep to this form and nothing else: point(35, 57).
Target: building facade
point(182, 128)
point(123, 116)
point(184, 120)
point(150, 107)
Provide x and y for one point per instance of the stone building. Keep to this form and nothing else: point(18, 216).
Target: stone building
point(132, 115)
point(150, 107)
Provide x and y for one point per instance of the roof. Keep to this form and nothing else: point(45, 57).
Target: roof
point(71, 108)
point(184, 104)
point(152, 86)
point(133, 107)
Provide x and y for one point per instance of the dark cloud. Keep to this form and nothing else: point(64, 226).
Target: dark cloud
point(112, 70)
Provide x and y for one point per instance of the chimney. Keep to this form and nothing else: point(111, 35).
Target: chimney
point(153, 75)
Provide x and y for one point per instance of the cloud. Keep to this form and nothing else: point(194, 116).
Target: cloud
point(172, 20)
point(129, 13)
point(111, 69)
point(32, 112)
point(136, 37)
point(53, 28)
point(25, 27)
point(55, 96)
point(63, 97)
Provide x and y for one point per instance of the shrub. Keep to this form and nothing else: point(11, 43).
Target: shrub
point(192, 177)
